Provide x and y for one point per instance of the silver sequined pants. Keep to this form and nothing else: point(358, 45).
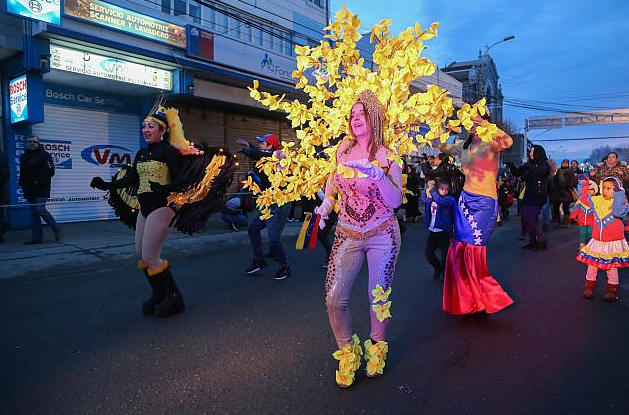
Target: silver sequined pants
point(381, 247)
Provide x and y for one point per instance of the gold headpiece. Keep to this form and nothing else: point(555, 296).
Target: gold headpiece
point(375, 115)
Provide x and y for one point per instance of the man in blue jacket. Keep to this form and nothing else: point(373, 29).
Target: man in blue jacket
point(438, 219)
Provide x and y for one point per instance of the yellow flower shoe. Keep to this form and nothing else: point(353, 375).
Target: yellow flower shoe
point(375, 355)
point(349, 357)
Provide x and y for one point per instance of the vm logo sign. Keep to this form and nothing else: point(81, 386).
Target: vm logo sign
point(106, 154)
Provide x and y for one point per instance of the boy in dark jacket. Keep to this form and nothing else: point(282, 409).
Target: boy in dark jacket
point(439, 219)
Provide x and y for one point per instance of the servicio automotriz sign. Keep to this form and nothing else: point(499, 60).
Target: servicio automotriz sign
point(87, 63)
point(105, 14)
point(45, 10)
point(18, 98)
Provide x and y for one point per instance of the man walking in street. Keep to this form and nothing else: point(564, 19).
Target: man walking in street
point(275, 224)
point(36, 170)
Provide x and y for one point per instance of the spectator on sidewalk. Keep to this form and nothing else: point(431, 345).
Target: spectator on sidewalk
point(411, 207)
point(36, 171)
point(439, 169)
point(535, 173)
point(505, 198)
point(611, 167)
point(4, 178)
point(276, 223)
point(565, 183)
point(576, 169)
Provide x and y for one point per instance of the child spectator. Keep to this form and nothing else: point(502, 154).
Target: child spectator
point(439, 220)
point(505, 199)
point(582, 213)
point(607, 250)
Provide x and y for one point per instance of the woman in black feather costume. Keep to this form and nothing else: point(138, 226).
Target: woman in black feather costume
point(171, 183)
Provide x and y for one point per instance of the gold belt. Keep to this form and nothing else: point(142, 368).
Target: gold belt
point(361, 236)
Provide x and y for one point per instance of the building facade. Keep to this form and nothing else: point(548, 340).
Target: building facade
point(480, 80)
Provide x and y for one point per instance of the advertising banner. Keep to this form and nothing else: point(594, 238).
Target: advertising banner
point(48, 11)
point(18, 99)
point(105, 14)
point(87, 63)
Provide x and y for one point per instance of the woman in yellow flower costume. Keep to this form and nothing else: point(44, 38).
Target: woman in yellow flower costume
point(367, 227)
point(375, 111)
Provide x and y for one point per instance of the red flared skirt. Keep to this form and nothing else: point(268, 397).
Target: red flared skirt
point(468, 285)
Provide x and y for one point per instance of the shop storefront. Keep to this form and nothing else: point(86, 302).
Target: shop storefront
point(91, 103)
point(88, 133)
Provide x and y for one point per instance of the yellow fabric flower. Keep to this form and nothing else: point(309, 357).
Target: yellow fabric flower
point(379, 294)
point(349, 357)
point(382, 310)
point(375, 356)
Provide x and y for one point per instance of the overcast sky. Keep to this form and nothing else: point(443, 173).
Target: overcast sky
point(569, 55)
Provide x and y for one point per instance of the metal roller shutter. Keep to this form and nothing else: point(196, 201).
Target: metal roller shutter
point(203, 126)
point(83, 143)
point(248, 128)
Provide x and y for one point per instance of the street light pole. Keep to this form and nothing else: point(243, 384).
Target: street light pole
point(482, 64)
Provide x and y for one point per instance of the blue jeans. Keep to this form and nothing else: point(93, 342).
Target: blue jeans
point(38, 211)
point(274, 227)
point(238, 220)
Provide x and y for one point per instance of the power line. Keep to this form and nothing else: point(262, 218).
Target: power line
point(581, 138)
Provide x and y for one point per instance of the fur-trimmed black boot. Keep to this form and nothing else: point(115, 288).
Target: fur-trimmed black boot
point(155, 281)
point(173, 300)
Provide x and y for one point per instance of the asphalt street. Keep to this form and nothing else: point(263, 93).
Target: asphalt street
point(78, 344)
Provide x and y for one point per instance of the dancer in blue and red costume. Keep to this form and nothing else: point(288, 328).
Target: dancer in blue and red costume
point(468, 285)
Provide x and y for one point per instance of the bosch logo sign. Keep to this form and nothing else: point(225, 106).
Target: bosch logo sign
point(103, 154)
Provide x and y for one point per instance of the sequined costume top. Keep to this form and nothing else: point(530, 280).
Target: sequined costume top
point(159, 162)
point(361, 206)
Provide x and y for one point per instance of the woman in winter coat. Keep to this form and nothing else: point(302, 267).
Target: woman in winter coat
point(535, 173)
point(565, 183)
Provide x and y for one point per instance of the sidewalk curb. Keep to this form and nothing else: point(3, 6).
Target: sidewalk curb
point(67, 258)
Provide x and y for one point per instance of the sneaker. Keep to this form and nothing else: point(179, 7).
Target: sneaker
point(282, 273)
point(256, 266)
point(32, 242)
point(232, 226)
point(58, 235)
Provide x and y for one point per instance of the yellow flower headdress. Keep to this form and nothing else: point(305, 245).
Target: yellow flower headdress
point(397, 62)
